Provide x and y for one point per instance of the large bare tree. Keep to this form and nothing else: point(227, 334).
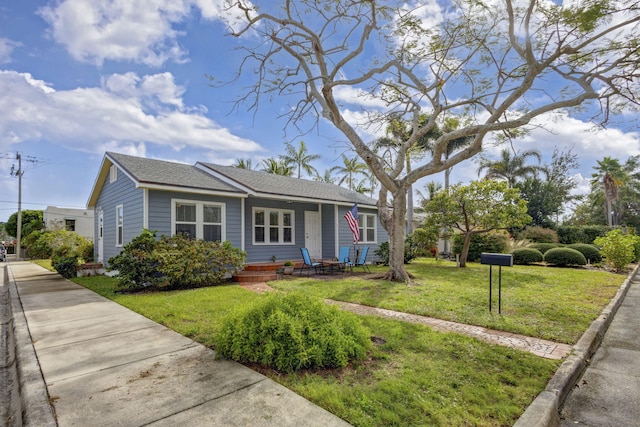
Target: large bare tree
point(503, 63)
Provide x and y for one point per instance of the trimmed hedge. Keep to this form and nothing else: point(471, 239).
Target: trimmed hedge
point(564, 256)
point(544, 247)
point(523, 256)
point(293, 332)
point(590, 252)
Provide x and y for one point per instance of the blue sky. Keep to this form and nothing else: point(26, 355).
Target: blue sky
point(81, 77)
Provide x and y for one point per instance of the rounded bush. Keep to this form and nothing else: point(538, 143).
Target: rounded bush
point(522, 256)
point(544, 247)
point(564, 256)
point(293, 332)
point(590, 252)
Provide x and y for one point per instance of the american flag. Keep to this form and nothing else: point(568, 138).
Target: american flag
point(352, 219)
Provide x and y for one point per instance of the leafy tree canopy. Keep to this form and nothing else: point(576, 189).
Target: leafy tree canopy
point(32, 220)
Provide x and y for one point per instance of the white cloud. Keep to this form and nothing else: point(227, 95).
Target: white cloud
point(6, 49)
point(140, 31)
point(125, 114)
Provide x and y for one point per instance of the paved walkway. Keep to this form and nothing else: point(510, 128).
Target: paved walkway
point(104, 365)
point(539, 347)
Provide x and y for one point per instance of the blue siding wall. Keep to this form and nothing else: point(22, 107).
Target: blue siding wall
point(160, 212)
point(345, 237)
point(264, 253)
point(120, 192)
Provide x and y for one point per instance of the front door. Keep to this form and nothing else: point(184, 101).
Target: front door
point(100, 237)
point(313, 233)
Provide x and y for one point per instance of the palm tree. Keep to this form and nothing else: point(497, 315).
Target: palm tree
point(611, 175)
point(450, 125)
point(431, 187)
point(351, 168)
point(243, 164)
point(327, 176)
point(277, 167)
point(510, 168)
point(300, 158)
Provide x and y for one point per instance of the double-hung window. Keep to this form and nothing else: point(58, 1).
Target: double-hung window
point(367, 226)
point(273, 226)
point(198, 220)
point(119, 225)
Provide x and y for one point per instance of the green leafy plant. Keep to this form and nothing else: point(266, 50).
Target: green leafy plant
point(618, 249)
point(523, 256)
point(187, 263)
point(293, 332)
point(67, 266)
point(135, 264)
point(569, 234)
point(289, 263)
point(564, 256)
point(490, 242)
point(383, 251)
point(590, 252)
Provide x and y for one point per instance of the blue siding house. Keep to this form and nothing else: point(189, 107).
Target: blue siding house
point(264, 214)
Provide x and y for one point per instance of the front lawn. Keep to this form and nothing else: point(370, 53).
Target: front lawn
point(415, 376)
point(553, 303)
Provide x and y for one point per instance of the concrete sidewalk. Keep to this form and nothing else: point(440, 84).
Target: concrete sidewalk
point(608, 393)
point(104, 365)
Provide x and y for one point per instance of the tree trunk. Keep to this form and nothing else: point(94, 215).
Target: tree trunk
point(465, 249)
point(395, 226)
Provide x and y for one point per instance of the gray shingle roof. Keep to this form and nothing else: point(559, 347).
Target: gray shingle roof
point(160, 172)
point(267, 183)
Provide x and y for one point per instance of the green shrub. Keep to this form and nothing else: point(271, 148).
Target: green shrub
point(569, 234)
point(564, 256)
point(489, 242)
point(293, 332)
point(539, 235)
point(136, 266)
point(544, 247)
point(618, 249)
point(523, 256)
point(174, 262)
point(409, 251)
point(590, 252)
point(187, 263)
point(67, 266)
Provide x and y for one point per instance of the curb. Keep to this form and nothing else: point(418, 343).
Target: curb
point(544, 411)
point(27, 393)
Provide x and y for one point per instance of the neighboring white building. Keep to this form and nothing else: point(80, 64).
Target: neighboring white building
point(78, 220)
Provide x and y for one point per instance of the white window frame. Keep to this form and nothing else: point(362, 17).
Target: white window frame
point(266, 226)
point(113, 174)
point(119, 225)
point(362, 225)
point(200, 204)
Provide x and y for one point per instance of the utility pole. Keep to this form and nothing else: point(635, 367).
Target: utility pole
point(19, 174)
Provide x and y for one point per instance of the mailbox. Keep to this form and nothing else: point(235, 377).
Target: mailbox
point(496, 259)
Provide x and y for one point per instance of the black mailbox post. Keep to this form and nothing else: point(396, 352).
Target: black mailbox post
point(499, 260)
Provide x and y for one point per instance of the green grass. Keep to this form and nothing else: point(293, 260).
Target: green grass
point(557, 304)
point(416, 376)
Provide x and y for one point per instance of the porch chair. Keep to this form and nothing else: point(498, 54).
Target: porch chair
point(343, 258)
point(361, 261)
point(308, 264)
